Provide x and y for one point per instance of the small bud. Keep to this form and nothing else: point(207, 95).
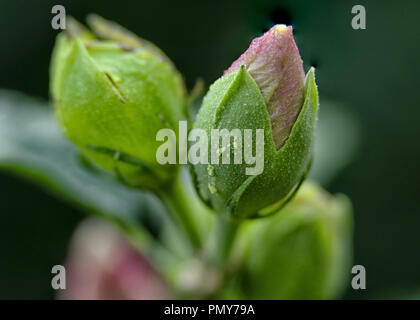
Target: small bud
point(302, 253)
point(264, 90)
point(111, 96)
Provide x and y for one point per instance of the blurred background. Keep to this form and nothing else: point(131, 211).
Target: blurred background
point(370, 74)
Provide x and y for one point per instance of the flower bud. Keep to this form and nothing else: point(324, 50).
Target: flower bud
point(112, 95)
point(265, 90)
point(304, 252)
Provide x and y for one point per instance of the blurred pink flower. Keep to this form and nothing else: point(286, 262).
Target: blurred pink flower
point(101, 264)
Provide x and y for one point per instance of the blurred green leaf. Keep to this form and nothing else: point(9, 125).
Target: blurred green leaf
point(32, 146)
point(337, 141)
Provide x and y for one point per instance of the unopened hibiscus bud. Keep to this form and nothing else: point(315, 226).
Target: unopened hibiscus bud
point(112, 92)
point(265, 90)
point(302, 253)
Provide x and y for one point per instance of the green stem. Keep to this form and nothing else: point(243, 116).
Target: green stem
point(180, 203)
point(160, 257)
point(162, 260)
point(224, 237)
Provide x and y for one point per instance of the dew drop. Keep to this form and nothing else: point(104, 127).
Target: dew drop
point(210, 170)
point(212, 188)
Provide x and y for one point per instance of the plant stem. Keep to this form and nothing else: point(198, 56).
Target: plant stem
point(158, 256)
point(180, 203)
point(224, 238)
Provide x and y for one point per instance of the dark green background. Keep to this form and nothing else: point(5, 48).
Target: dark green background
point(373, 71)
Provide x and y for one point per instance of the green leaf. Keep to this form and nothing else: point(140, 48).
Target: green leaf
point(32, 146)
point(333, 152)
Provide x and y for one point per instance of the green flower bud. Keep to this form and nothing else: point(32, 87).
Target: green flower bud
point(111, 96)
point(304, 252)
point(264, 89)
